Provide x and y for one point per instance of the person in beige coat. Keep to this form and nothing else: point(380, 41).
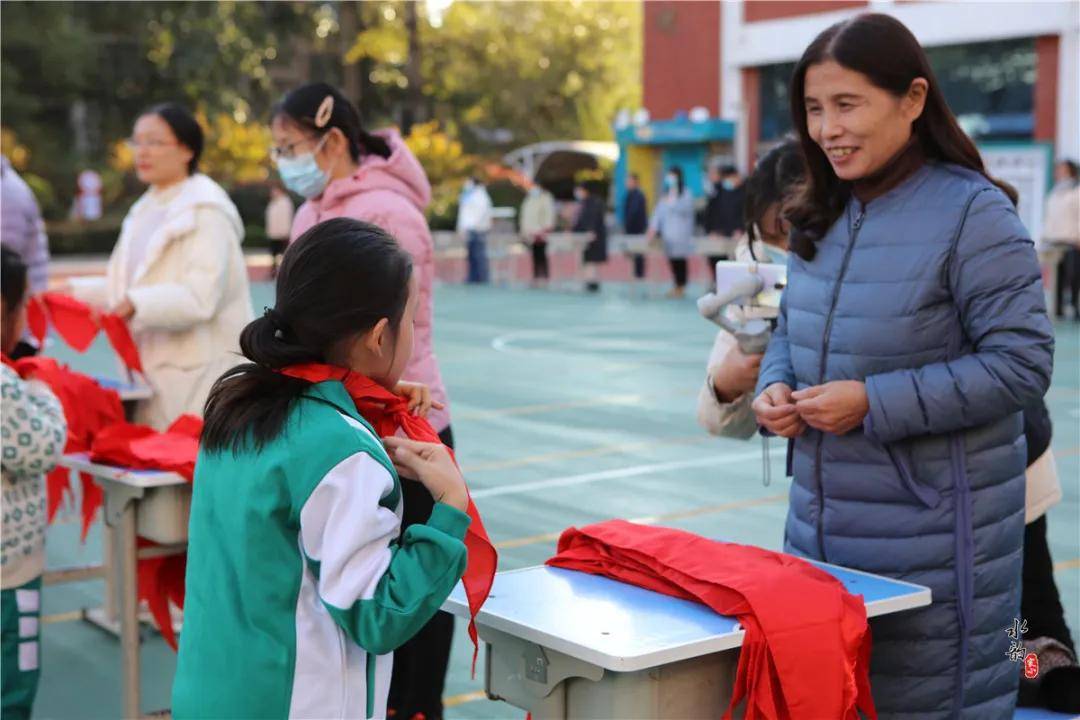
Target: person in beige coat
point(177, 273)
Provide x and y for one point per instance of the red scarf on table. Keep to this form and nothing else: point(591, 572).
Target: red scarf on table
point(807, 648)
point(161, 579)
point(78, 324)
point(387, 413)
point(88, 409)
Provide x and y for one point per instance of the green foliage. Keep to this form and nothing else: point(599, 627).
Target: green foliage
point(477, 80)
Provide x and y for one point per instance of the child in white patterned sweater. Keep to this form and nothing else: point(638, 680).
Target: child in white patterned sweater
point(34, 433)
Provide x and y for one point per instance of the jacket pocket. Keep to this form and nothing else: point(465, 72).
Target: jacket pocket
point(900, 457)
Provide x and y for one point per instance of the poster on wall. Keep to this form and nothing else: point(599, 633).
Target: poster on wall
point(1027, 168)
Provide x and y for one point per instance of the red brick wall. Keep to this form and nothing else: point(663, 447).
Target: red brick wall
point(681, 57)
point(1046, 87)
point(757, 10)
point(751, 82)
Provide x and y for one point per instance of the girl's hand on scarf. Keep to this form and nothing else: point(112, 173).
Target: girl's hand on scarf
point(419, 397)
point(431, 464)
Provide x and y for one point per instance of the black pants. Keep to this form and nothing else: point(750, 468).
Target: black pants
point(539, 260)
point(678, 269)
point(639, 265)
point(1068, 285)
point(419, 675)
point(1040, 604)
point(276, 246)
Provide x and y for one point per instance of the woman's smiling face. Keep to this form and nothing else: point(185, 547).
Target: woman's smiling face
point(858, 125)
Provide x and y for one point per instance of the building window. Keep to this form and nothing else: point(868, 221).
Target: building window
point(773, 100)
point(990, 86)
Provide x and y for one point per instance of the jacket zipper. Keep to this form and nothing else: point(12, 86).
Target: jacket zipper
point(854, 233)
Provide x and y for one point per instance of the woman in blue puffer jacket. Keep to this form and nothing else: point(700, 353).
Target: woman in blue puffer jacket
point(912, 333)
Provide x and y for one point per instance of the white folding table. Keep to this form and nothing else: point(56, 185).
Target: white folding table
point(124, 490)
point(566, 644)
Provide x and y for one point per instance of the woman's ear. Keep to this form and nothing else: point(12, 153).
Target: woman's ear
point(915, 98)
point(336, 143)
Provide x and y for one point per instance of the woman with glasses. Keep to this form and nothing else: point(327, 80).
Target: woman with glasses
point(177, 273)
point(324, 153)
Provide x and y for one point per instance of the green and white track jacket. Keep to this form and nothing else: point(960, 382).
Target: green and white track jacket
point(298, 586)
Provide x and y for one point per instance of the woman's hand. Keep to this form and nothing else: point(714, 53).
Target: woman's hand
point(431, 464)
point(775, 411)
point(836, 407)
point(735, 375)
point(419, 397)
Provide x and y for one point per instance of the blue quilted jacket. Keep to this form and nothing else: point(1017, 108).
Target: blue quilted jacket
point(930, 294)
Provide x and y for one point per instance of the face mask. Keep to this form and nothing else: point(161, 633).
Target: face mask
point(773, 254)
point(671, 182)
point(534, 191)
point(302, 174)
point(729, 184)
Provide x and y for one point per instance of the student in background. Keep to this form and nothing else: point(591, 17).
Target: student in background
point(673, 223)
point(590, 219)
point(536, 220)
point(635, 220)
point(474, 224)
point(34, 434)
point(279, 220)
point(724, 210)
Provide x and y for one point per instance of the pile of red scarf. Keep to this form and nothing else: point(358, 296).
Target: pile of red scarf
point(161, 579)
point(387, 413)
point(88, 409)
point(78, 324)
point(807, 648)
point(96, 425)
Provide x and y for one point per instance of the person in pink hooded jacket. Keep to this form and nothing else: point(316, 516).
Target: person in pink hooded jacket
point(324, 154)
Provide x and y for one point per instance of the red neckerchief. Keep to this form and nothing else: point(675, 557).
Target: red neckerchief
point(387, 413)
point(78, 324)
point(88, 409)
point(807, 648)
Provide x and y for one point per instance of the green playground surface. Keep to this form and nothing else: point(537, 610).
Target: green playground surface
point(567, 409)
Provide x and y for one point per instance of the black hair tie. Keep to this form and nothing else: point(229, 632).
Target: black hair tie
point(276, 321)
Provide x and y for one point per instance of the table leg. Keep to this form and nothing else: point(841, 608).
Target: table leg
point(109, 539)
point(127, 586)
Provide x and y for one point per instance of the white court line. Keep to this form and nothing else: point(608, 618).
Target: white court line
point(632, 471)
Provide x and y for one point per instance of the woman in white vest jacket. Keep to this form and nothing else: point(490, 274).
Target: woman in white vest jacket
point(177, 273)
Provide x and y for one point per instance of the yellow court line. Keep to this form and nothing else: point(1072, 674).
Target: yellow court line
point(652, 519)
point(62, 617)
point(455, 700)
point(1073, 564)
point(696, 439)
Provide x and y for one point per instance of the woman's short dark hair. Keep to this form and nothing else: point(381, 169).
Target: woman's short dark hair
point(774, 178)
point(12, 278)
point(301, 106)
point(884, 50)
point(339, 279)
point(1071, 167)
point(184, 126)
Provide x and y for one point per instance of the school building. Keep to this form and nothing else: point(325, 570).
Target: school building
point(1009, 71)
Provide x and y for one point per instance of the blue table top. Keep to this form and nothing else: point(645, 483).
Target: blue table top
point(126, 390)
point(625, 628)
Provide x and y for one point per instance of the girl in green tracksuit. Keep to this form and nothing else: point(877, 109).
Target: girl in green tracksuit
point(298, 585)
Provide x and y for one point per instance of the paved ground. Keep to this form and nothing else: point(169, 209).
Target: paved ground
point(567, 409)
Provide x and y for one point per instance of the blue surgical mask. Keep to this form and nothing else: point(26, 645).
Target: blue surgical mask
point(670, 182)
point(729, 184)
point(302, 174)
point(774, 254)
